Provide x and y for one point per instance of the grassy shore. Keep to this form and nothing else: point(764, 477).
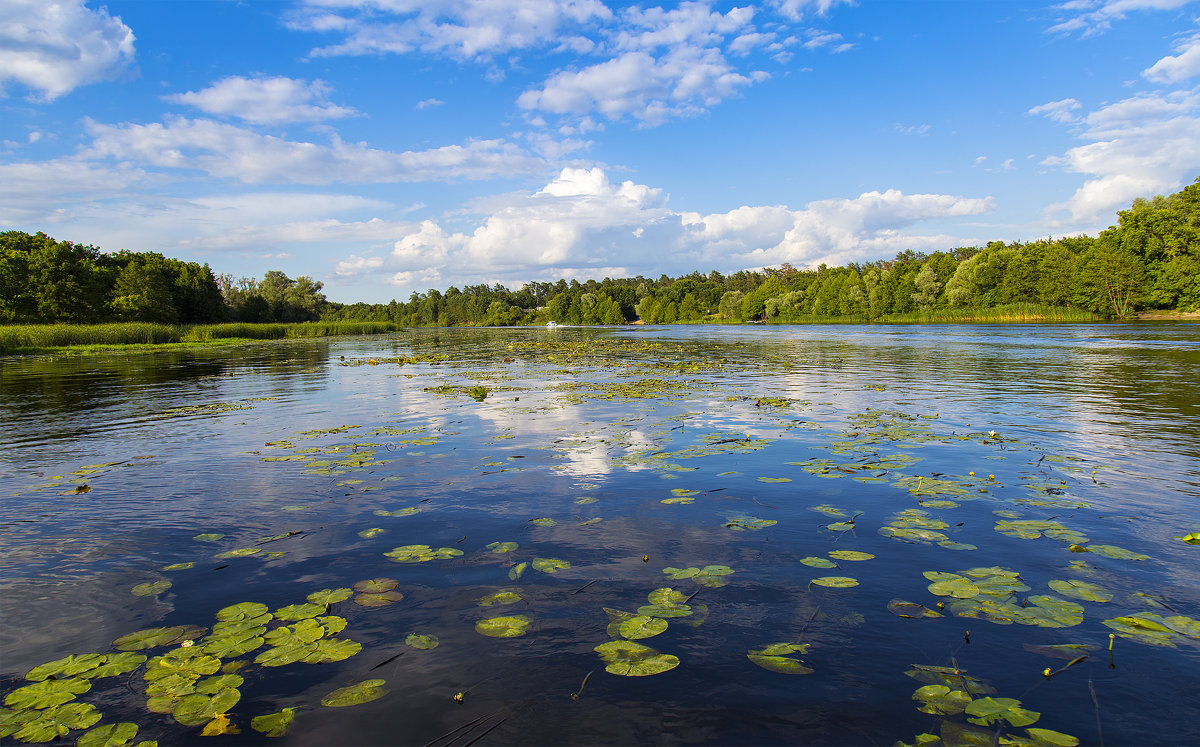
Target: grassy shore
point(1007, 313)
point(40, 338)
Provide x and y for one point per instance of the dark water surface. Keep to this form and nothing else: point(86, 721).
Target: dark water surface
point(1091, 432)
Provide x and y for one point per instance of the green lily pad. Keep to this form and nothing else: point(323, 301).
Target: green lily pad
point(199, 708)
point(190, 662)
point(743, 523)
point(835, 582)
point(274, 724)
point(1144, 627)
point(641, 626)
point(549, 565)
point(776, 657)
point(208, 537)
point(241, 552)
point(666, 597)
point(773, 479)
point(543, 522)
point(815, 562)
point(502, 547)
point(1084, 590)
point(509, 626)
point(242, 611)
point(680, 573)
point(951, 585)
point(629, 659)
point(901, 608)
point(372, 532)
point(326, 597)
point(333, 649)
point(47, 693)
point(229, 645)
point(993, 710)
point(108, 735)
point(70, 666)
point(1117, 553)
point(501, 597)
point(299, 611)
point(1051, 738)
point(363, 692)
point(289, 652)
point(850, 555)
point(515, 572)
point(177, 567)
point(376, 585)
point(713, 576)
point(422, 641)
point(116, 664)
point(380, 599)
point(941, 700)
point(150, 589)
point(54, 723)
point(1192, 538)
point(953, 678)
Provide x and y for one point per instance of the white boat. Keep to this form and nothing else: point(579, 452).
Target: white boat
point(552, 324)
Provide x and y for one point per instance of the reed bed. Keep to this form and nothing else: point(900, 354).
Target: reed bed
point(25, 337)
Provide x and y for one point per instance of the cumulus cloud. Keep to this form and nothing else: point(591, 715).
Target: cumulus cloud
point(797, 9)
point(1091, 17)
point(1142, 145)
point(1059, 111)
point(456, 29)
point(262, 100)
point(684, 82)
point(582, 224)
point(230, 152)
point(54, 48)
point(1181, 66)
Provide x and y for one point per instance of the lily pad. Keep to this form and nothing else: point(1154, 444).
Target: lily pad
point(1117, 553)
point(54, 723)
point(549, 565)
point(333, 649)
point(47, 693)
point(422, 641)
point(941, 700)
point(241, 552)
point(629, 659)
point(951, 585)
point(509, 626)
point(713, 576)
point(501, 547)
point(208, 537)
point(835, 582)
point(743, 523)
point(500, 597)
point(901, 608)
point(994, 710)
point(372, 532)
point(299, 611)
point(1084, 590)
point(380, 599)
point(776, 658)
point(196, 709)
point(108, 735)
point(815, 562)
point(70, 666)
point(680, 573)
point(543, 522)
point(242, 611)
point(362, 692)
point(642, 626)
point(1191, 538)
point(850, 555)
point(326, 597)
point(515, 572)
point(376, 585)
point(116, 664)
point(178, 567)
point(274, 724)
point(150, 589)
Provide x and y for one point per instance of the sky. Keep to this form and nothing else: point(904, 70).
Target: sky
point(385, 147)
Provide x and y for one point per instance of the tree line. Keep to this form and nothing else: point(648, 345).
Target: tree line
point(44, 281)
point(1149, 260)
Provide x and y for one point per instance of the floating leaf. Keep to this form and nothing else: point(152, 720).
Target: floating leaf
point(850, 555)
point(543, 522)
point(515, 572)
point(1192, 538)
point(196, 709)
point(993, 710)
point(115, 664)
point(241, 552)
point(274, 724)
point(422, 641)
point(421, 553)
point(108, 735)
point(954, 678)
point(835, 582)
point(951, 585)
point(1051, 738)
point(941, 700)
point(1118, 553)
point(381, 599)
point(150, 589)
point(510, 626)
point(299, 611)
point(228, 645)
point(69, 666)
point(549, 565)
point(177, 567)
point(362, 692)
point(630, 659)
point(326, 597)
point(774, 479)
point(375, 585)
point(641, 626)
point(775, 658)
point(1088, 592)
point(47, 693)
point(500, 547)
point(815, 562)
point(333, 649)
point(742, 523)
point(680, 573)
point(713, 576)
point(219, 726)
point(242, 611)
point(1144, 627)
point(372, 532)
point(1059, 650)
point(901, 608)
point(501, 597)
point(208, 537)
point(54, 723)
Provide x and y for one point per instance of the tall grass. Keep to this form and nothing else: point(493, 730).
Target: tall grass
point(25, 337)
point(1013, 312)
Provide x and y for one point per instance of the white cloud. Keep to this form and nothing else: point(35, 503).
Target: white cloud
point(1097, 16)
point(264, 100)
point(584, 225)
point(797, 9)
point(457, 29)
point(1141, 146)
point(230, 152)
point(1059, 111)
point(56, 47)
point(684, 82)
point(692, 23)
point(429, 103)
point(45, 192)
point(1173, 69)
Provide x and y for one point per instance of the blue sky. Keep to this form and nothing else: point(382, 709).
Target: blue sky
point(391, 146)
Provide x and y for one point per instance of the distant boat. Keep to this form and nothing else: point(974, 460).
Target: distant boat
point(551, 324)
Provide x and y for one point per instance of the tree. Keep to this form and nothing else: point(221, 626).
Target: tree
point(142, 293)
point(927, 286)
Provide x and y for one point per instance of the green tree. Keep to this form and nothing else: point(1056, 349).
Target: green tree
point(142, 293)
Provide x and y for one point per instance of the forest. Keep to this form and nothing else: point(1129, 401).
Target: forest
point(1149, 260)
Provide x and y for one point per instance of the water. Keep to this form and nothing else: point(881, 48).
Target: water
point(1095, 430)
